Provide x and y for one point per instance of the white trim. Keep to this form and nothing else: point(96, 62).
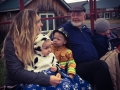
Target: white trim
point(10, 10)
point(65, 4)
point(28, 2)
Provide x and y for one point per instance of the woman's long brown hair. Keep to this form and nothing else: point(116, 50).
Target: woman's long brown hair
point(23, 32)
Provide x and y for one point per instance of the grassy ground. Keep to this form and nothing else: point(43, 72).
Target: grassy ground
point(2, 70)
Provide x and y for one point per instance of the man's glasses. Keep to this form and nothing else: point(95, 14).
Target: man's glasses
point(77, 14)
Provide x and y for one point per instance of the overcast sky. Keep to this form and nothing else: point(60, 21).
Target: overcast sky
point(69, 1)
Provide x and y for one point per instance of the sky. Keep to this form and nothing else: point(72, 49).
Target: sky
point(70, 1)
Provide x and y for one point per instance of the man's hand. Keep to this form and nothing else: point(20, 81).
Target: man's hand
point(53, 68)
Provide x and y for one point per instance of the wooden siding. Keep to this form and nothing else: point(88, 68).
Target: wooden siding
point(41, 6)
point(50, 6)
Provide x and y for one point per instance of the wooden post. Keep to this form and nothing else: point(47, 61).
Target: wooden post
point(91, 15)
point(95, 13)
point(21, 4)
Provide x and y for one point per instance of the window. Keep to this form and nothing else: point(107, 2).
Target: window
point(106, 15)
point(47, 24)
point(8, 15)
point(113, 13)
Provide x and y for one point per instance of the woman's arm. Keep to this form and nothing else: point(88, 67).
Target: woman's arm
point(15, 68)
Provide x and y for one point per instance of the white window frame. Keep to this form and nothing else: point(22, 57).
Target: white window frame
point(47, 23)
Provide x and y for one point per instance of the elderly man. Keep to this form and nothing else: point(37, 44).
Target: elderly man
point(88, 66)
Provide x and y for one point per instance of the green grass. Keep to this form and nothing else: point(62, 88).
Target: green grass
point(2, 70)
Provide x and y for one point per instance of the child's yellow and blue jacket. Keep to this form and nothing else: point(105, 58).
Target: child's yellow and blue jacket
point(65, 57)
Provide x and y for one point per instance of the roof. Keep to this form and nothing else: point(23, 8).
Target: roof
point(105, 4)
point(12, 5)
point(99, 4)
point(65, 4)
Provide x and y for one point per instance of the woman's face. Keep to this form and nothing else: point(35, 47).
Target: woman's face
point(39, 24)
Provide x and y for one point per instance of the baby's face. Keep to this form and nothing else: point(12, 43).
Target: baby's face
point(59, 40)
point(46, 48)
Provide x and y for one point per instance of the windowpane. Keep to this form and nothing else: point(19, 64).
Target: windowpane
point(50, 22)
point(44, 22)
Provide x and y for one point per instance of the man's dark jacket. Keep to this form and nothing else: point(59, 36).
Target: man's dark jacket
point(101, 43)
point(81, 43)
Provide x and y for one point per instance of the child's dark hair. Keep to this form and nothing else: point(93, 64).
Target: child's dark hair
point(65, 34)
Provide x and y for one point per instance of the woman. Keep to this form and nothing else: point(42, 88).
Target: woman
point(18, 51)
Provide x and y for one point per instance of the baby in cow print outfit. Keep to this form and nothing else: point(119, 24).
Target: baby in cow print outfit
point(43, 58)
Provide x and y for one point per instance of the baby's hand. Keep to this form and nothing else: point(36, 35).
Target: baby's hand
point(53, 68)
point(71, 76)
point(58, 75)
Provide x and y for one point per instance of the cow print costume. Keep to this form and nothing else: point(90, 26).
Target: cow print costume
point(41, 62)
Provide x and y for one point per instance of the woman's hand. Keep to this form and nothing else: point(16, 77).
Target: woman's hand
point(55, 80)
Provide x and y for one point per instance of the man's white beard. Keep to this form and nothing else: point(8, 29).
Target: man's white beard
point(76, 24)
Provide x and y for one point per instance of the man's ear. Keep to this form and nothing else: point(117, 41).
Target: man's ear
point(84, 16)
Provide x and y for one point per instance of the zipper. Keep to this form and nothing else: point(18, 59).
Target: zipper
point(80, 30)
point(86, 41)
point(82, 34)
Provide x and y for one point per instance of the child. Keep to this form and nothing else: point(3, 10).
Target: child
point(100, 38)
point(103, 45)
point(43, 58)
point(63, 54)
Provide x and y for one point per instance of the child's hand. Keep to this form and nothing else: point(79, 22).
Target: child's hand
point(53, 68)
point(58, 75)
point(71, 76)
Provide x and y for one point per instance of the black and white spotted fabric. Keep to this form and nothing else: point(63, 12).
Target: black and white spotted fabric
point(41, 62)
